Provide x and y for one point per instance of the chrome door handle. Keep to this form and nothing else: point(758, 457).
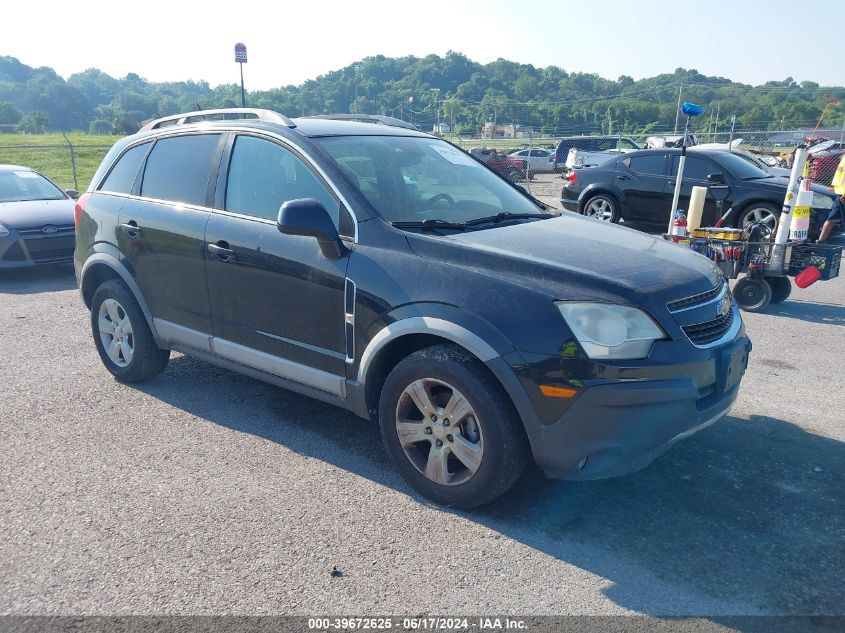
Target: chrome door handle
point(131, 229)
point(222, 251)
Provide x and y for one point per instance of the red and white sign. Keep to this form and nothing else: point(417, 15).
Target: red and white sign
point(240, 53)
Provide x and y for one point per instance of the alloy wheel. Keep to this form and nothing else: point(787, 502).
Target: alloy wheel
point(600, 209)
point(762, 215)
point(439, 431)
point(116, 333)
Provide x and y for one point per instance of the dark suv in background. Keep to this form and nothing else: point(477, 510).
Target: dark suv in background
point(589, 144)
point(388, 272)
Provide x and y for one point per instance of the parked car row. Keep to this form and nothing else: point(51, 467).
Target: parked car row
point(640, 185)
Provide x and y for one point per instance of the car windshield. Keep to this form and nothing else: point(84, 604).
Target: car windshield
point(413, 179)
point(19, 185)
point(740, 167)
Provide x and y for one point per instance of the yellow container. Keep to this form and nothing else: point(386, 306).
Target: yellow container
point(701, 233)
point(732, 234)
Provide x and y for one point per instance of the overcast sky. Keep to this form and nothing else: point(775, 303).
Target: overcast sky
point(748, 41)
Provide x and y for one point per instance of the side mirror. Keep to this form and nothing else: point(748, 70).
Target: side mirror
point(73, 193)
point(308, 216)
point(716, 177)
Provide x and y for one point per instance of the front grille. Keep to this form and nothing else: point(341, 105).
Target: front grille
point(14, 253)
point(35, 231)
point(686, 302)
point(709, 331)
point(51, 249)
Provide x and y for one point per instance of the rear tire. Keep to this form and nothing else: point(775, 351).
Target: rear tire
point(122, 336)
point(602, 207)
point(465, 461)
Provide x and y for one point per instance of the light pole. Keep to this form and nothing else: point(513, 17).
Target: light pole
point(691, 110)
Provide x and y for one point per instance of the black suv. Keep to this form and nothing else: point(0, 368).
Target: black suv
point(386, 271)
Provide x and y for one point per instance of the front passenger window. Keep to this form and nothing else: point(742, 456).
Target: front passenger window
point(263, 175)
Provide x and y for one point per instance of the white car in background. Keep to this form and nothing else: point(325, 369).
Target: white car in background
point(539, 160)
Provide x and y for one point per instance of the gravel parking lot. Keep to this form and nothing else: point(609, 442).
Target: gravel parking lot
point(205, 492)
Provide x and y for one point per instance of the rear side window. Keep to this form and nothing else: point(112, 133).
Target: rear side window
point(178, 168)
point(651, 164)
point(264, 175)
point(694, 168)
point(121, 178)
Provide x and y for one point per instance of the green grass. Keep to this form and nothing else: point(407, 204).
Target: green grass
point(50, 155)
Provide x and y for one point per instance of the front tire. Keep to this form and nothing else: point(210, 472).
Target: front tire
point(450, 429)
point(122, 336)
point(760, 212)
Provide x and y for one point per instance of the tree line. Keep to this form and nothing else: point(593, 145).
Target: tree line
point(451, 89)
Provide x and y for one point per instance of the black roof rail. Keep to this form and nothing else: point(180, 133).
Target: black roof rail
point(222, 114)
point(378, 119)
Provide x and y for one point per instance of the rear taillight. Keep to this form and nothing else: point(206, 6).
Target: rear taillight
point(572, 177)
point(80, 207)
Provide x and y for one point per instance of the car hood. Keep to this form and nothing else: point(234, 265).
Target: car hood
point(31, 213)
point(778, 183)
point(577, 258)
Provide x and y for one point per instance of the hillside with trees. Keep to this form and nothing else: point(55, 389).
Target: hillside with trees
point(453, 87)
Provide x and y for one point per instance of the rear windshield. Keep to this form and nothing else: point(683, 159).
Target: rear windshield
point(17, 186)
point(413, 179)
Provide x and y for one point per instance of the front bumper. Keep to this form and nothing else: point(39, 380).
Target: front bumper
point(23, 248)
point(619, 423)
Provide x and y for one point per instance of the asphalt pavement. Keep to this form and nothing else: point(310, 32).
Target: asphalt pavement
point(206, 492)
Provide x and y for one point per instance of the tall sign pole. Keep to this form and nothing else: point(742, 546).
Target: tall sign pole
point(240, 58)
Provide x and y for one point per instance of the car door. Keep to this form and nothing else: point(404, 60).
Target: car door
point(161, 230)
point(277, 303)
point(642, 180)
point(696, 170)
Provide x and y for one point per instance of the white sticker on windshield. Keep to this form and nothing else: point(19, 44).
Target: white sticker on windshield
point(26, 174)
point(454, 155)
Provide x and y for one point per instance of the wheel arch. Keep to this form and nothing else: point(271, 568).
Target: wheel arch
point(595, 190)
point(743, 206)
point(102, 267)
point(402, 338)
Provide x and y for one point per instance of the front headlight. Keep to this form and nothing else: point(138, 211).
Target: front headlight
point(609, 331)
point(821, 201)
point(3, 231)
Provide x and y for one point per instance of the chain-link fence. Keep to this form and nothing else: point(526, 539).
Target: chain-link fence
point(69, 165)
point(525, 160)
point(770, 150)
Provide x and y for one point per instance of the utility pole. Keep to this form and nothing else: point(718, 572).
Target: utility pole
point(436, 92)
point(842, 133)
point(716, 128)
point(678, 111)
point(355, 76)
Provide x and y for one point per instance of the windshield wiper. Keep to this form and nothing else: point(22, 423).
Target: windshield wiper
point(430, 224)
point(503, 216)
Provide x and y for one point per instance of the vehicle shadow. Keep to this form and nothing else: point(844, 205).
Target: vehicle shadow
point(746, 512)
point(25, 281)
point(824, 313)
